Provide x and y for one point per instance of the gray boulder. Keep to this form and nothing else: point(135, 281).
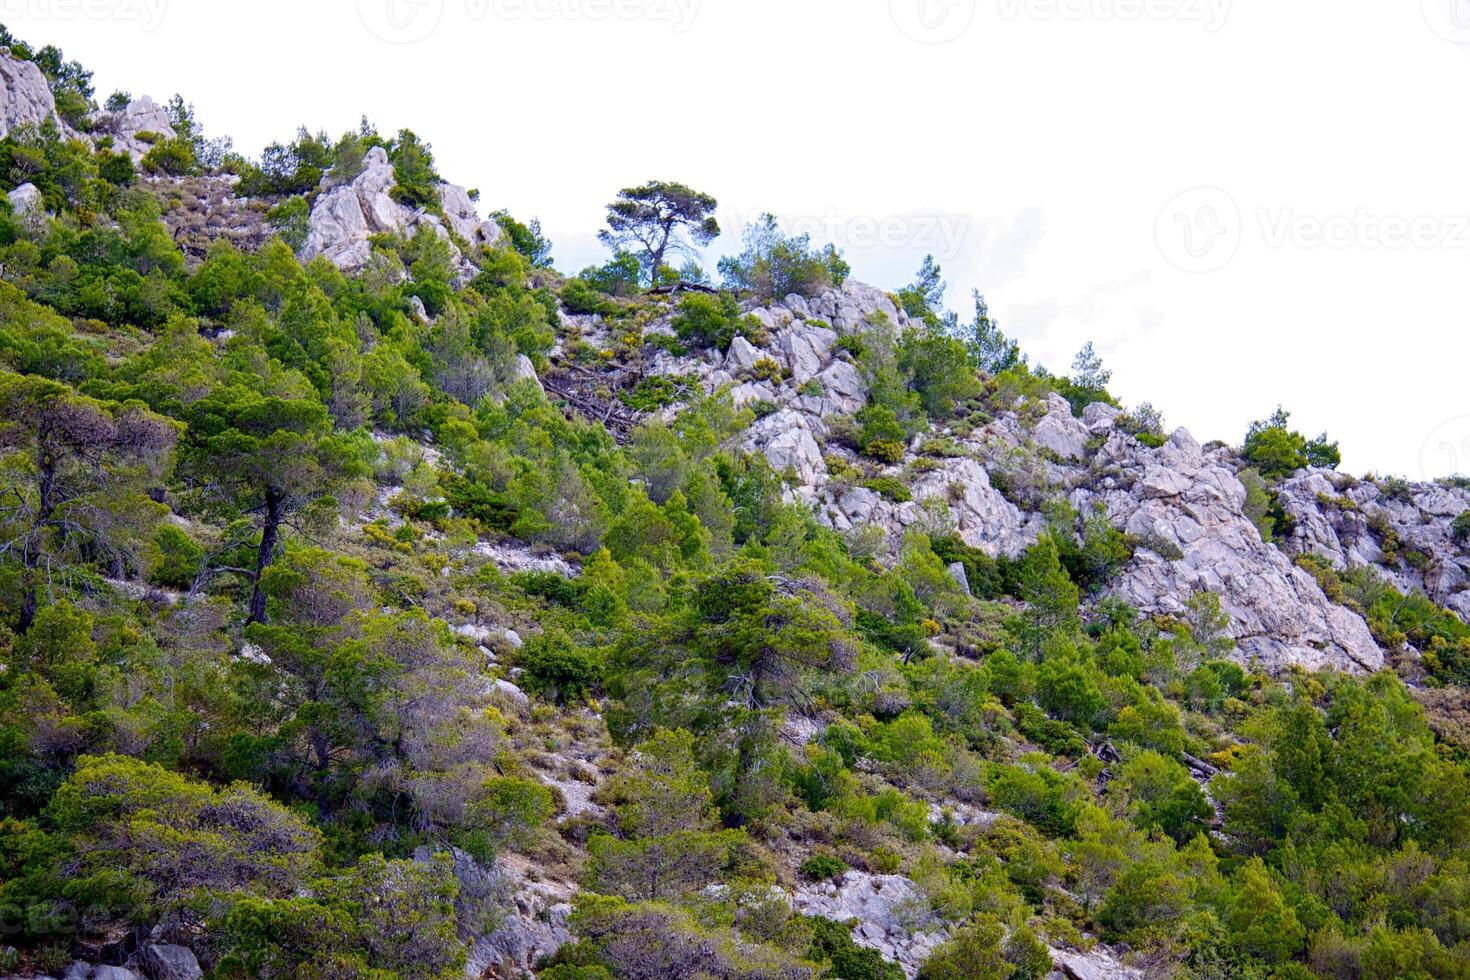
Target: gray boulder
point(164, 961)
point(113, 973)
point(1060, 431)
point(27, 202)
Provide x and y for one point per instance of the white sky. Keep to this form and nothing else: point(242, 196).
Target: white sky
point(1050, 152)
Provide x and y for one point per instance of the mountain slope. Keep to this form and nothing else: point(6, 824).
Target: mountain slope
point(379, 601)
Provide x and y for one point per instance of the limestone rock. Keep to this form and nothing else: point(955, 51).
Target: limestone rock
point(113, 973)
point(883, 905)
point(526, 371)
point(1098, 964)
point(796, 450)
point(805, 350)
point(534, 925)
point(1188, 510)
point(25, 97)
point(984, 518)
point(511, 691)
point(346, 216)
point(1060, 431)
point(1100, 417)
point(28, 202)
point(741, 357)
point(1346, 522)
point(167, 962)
point(142, 116)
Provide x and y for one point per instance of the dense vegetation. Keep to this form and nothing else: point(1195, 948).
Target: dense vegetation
point(269, 748)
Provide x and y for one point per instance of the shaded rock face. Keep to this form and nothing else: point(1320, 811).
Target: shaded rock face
point(535, 923)
point(345, 217)
point(25, 96)
point(1405, 530)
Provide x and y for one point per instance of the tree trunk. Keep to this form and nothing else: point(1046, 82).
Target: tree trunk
point(31, 554)
point(270, 530)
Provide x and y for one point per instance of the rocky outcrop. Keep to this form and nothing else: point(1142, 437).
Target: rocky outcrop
point(345, 217)
point(1097, 964)
point(1188, 509)
point(885, 907)
point(1184, 506)
point(1405, 530)
point(25, 96)
point(534, 924)
point(135, 129)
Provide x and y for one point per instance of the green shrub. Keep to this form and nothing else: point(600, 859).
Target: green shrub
point(766, 369)
point(174, 157)
point(1460, 529)
point(820, 867)
point(179, 558)
point(619, 276)
point(1272, 447)
point(116, 168)
point(653, 393)
point(890, 488)
point(291, 219)
point(887, 451)
point(708, 321)
point(832, 943)
point(580, 297)
point(508, 812)
point(417, 182)
point(558, 669)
